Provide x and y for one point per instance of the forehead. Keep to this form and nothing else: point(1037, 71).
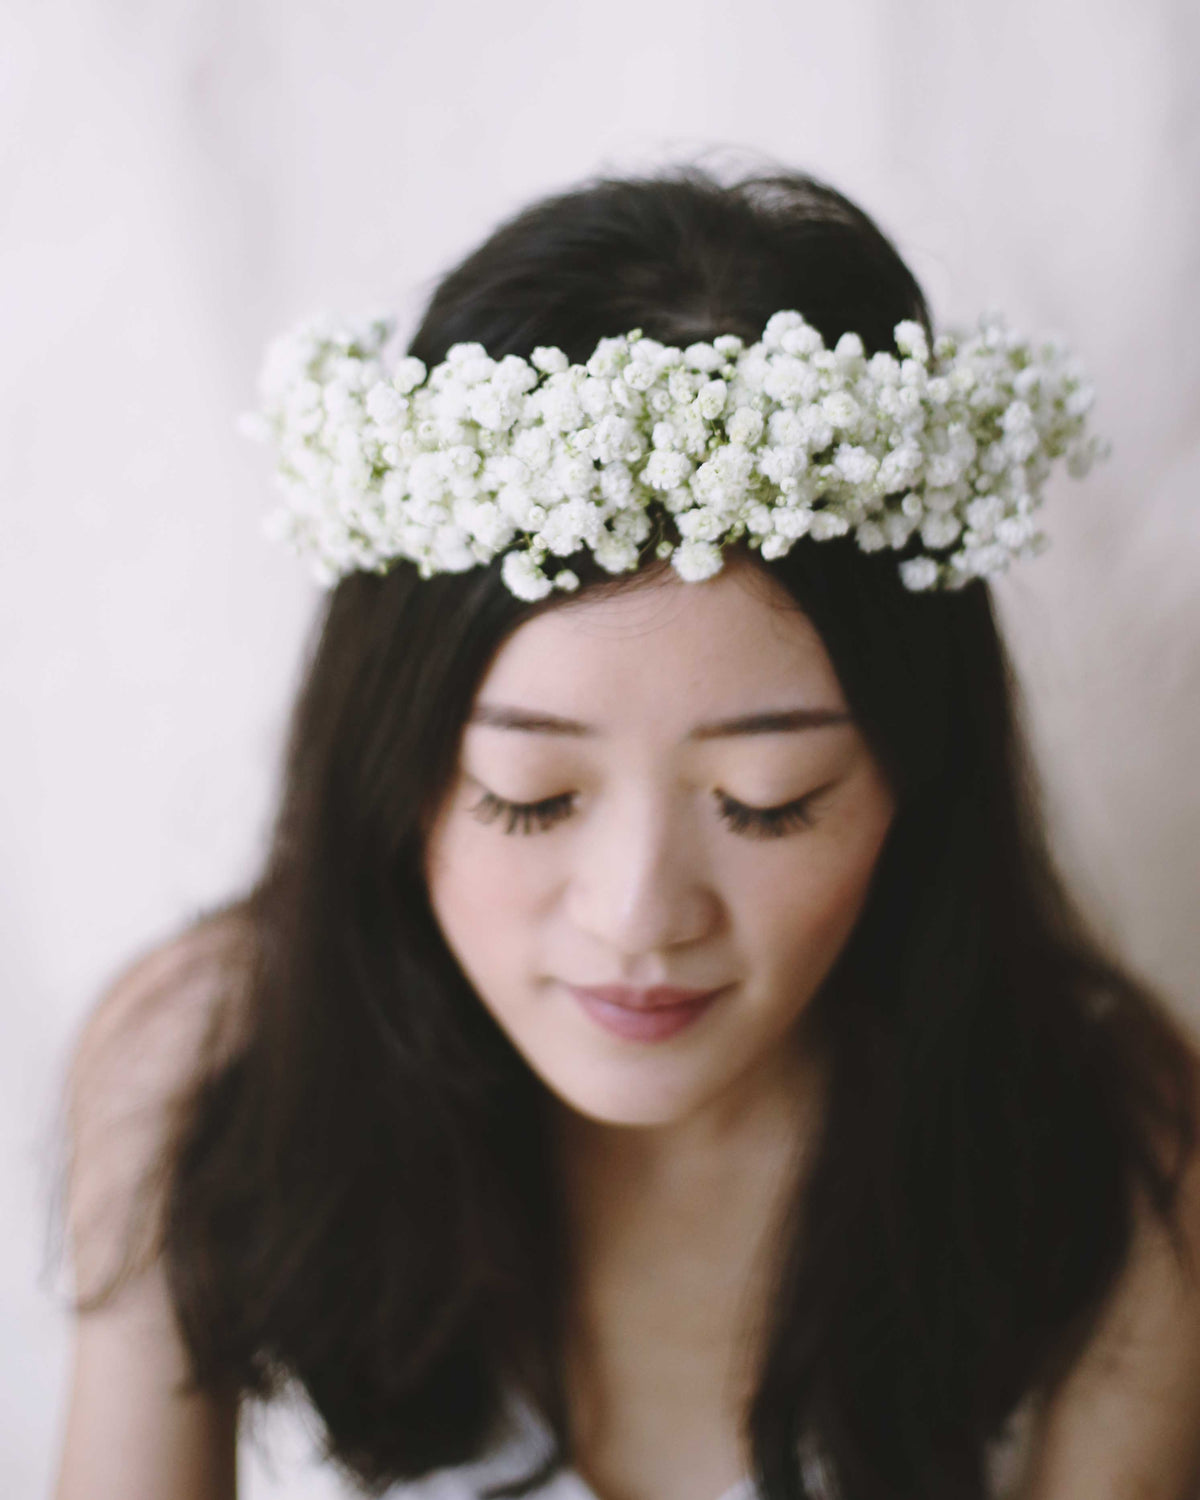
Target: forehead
point(669, 653)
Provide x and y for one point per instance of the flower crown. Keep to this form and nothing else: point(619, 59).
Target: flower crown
point(685, 449)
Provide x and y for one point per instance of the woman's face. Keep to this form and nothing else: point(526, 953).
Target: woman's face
point(660, 833)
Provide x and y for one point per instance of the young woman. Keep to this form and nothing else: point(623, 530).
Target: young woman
point(658, 1060)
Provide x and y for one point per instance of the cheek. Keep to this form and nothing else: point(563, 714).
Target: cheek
point(488, 892)
point(800, 919)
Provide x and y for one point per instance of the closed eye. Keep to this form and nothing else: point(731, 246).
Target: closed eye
point(768, 822)
point(749, 822)
point(524, 817)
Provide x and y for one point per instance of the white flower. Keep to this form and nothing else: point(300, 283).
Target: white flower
point(469, 363)
point(408, 375)
point(596, 397)
point(912, 506)
point(792, 521)
point(940, 531)
point(385, 404)
point(490, 526)
point(758, 519)
point(549, 361)
point(609, 356)
point(776, 545)
point(1015, 531)
point(339, 401)
point(560, 407)
point(791, 381)
point(802, 340)
point(919, 573)
point(616, 484)
point(452, 550)
point(826, 524)
point(780, 465)
point(841, 410)
point(942, 502)
point(870, 537)
point(574, 474)
point(703, 357)
point(855, 465)
point(452, 466)
point(494, 407)
point(631, 526)
point(984, 561)
point(745, 426)
point(780, 323)
point(700, 524)
point(640, 374)
point(816, 429)
point(682, 385)
point(983, 512)
point(849, 349)
point(899, 468)
point(533, 446)
point(516, 503)
point(568, 526)
point(912, 341)
point(696, 560)
point(666, 470)
point(884, 369)
point(524, 577)
point(1081, 401)
point(615, 554)
point(787, 429)
point(711, 400)
point(616, 438)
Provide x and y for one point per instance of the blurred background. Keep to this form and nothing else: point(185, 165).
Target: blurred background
point(182, 180)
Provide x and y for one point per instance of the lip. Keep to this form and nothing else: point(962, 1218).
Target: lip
point(652, 1014)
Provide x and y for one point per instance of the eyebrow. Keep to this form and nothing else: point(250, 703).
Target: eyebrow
point(769, 721)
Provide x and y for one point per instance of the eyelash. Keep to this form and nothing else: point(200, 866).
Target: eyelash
point(748, 822)
point(524, 817)
point(767, 822)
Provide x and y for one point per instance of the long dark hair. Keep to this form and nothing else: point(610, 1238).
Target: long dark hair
point(362, 1200)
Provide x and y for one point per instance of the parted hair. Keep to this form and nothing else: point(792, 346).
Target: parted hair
point(359, 1197)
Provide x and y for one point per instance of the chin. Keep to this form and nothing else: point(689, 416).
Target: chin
point(645, 1102)
point(635, 1115)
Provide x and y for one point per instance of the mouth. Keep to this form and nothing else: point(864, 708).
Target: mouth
point(643, 1015)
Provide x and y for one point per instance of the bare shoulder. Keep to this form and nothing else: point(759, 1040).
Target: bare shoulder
point(168, 1020)
point(1126, 1420)
point(134, 1428)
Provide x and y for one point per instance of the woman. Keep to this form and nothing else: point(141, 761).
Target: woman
point(658, 1057)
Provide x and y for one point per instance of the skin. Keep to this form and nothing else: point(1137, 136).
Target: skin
point(645, 881)
point(676, 1157)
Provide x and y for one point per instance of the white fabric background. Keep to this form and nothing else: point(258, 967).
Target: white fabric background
point(179, 181)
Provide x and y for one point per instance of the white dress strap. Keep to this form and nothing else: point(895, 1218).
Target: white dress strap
point(524, 1445)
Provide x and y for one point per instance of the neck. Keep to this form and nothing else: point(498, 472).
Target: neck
point(672, 1233)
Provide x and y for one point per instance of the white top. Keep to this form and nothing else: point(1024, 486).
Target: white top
point(518, 1455)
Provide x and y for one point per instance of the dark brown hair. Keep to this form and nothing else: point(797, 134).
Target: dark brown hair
point(361, 1201)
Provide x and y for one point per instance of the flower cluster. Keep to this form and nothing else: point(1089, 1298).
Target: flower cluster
point(938, 452)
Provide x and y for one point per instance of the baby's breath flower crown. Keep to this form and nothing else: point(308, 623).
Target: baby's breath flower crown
point(681, 451)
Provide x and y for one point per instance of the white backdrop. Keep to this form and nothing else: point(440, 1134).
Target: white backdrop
point(179, 181)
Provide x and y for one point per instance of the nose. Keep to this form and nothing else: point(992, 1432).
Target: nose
point(640, 886)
